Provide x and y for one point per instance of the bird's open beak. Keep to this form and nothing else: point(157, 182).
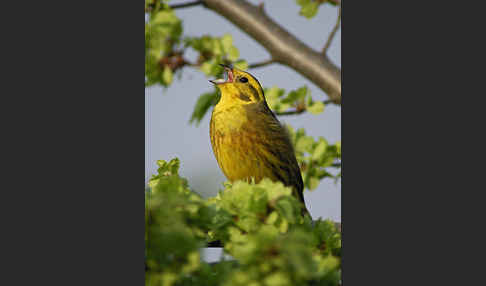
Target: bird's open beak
point(229, 75)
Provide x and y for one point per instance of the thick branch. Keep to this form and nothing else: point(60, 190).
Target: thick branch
point(283, 47)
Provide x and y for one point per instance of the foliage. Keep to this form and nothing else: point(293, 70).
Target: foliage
point(165, 46)
point(163, 32)
point(299, 99)
point(259, 224)
point(214, 51)
point(315, 157)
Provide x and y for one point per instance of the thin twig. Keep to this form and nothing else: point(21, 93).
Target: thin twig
point(185, 5)
point(290, 112)
point(216, 243)
point(333, 33)
point(336, 165)
point(261, 64)
point(300, 110)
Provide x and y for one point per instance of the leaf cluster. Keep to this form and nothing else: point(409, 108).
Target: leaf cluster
point(163, 31)
point(300, 99)
point(165, 47)
point(213, 51)
point(259, 224)
point(177, 221)
point(315, 157)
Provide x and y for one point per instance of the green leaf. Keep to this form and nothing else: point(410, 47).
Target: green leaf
point(286, 207)
point(296, 95)
point(303, 2)
point(322, 173)
point(320, 149)
point(304, 144)
point(167, 76)
point(227, 42)
point(272, 218)
point(303, 91)
point(310, 9)
point(217, 47)
point(274, 92)
point(284, 226)
point(241, 64)
point(233, 54)
point(203, 104)
point(313, 183)
point(278, 279)
point(273, 96)
point(316, 107)
point(208, 67)
point(166, 23)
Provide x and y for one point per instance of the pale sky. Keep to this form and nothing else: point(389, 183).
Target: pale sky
point(168, 133)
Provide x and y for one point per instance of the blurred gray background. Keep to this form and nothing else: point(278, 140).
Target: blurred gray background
point(168, 133)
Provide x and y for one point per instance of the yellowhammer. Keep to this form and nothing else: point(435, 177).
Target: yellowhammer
point(247, 139)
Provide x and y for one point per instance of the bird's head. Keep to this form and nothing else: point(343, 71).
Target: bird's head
point(239, 87)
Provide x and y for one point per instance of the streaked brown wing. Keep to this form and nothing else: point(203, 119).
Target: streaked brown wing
point(276, 147)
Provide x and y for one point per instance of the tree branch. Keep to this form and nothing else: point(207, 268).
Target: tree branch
point(261, 64)
point(333, 33)
point(300, 110)
point(283, 47)
point(185, 5)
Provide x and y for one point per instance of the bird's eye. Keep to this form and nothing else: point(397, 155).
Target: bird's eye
point(243, 79)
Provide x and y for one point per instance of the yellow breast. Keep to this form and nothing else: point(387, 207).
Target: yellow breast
point(231, 144)
point(241, 148)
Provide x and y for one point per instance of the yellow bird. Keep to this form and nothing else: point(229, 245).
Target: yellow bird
point(248, 140)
